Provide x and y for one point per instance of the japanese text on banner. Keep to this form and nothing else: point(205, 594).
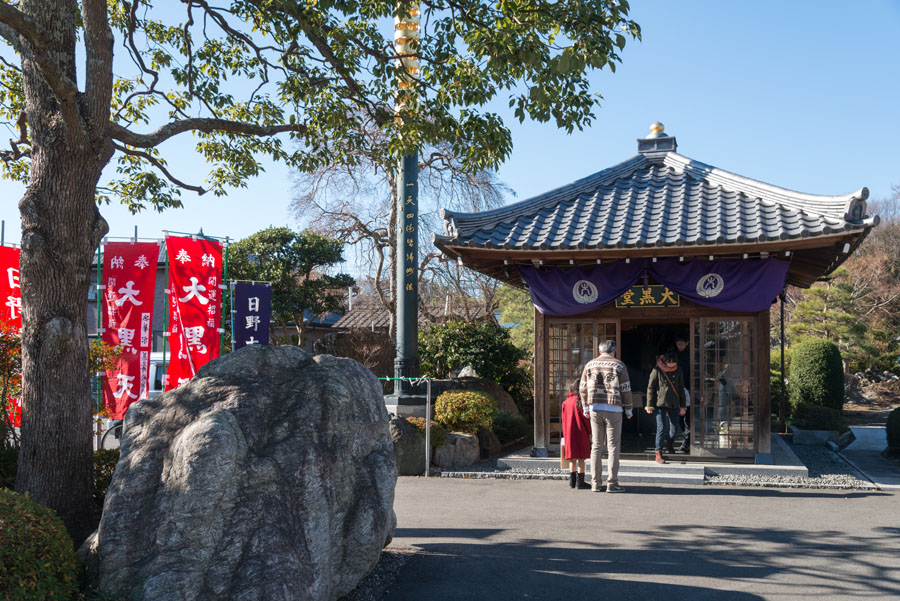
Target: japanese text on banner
point(129, 287)
point(195, 305)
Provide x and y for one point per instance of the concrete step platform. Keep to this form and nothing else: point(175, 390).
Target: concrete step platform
point(786, 463)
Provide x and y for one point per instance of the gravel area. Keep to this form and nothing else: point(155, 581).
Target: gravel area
point(375, 584)
point(826, 470)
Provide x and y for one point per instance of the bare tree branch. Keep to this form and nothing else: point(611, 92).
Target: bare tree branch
point(158, 164)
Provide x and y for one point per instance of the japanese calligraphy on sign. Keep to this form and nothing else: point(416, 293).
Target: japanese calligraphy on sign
point(195, 274)
point(127, 296)
point(11, 310)
point(648, 296)
point(252, 313)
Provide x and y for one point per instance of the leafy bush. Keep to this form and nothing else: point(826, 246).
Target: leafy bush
point(520, 386)
point(438, 433)
point(105, 461)
point(813, 417)
point(893, 431)
point(37, 561)
point(465, 410)
point(9, 458)
point(509, 427)
point(817, 375)
point(485, 346)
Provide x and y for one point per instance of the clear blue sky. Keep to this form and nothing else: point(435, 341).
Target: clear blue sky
point(802, 95)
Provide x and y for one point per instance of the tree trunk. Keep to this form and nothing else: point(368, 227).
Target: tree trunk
point(61, 228)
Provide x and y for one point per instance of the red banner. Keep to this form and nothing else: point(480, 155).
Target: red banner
point(11, 316)
point(129, 278)
point(195, 304)
point(10, 293)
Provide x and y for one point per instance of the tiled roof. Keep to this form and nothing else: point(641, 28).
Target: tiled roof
point(376, 317)
point(657, 199)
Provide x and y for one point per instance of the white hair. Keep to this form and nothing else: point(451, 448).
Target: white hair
point(607, 346)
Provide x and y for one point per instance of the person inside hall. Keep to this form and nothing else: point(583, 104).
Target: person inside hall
point(684, 364)
point(605, 391)
point(665, 399)
point(576, 431)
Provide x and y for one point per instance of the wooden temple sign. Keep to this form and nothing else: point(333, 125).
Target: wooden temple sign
point(648, 296)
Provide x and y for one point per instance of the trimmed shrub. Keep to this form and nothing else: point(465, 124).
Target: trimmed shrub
point(105, 461)
point(813, 417)
point(438, 433)
point(37, 560)
point(485, 346)
point(893, 431)
point(509, 427)
point(9, 458)
point(465, 410)
point(817, 375)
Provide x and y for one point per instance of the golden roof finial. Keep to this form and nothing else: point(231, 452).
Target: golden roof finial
point(657, 128)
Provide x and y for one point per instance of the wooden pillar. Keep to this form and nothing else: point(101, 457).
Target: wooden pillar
point(764, 400)
point(540, 385)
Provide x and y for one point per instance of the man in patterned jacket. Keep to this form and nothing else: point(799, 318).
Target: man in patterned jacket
point(606, 394)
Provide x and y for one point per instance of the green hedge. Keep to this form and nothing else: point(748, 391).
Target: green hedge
point(817, 375)
point(37, 560)
point(438, 433)
point(509, 427)
point(465, 410)
point(813, 417)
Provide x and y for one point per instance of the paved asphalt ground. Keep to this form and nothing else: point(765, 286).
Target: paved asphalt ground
point(540, 540)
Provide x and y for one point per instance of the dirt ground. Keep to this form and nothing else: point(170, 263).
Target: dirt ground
point(873, 405)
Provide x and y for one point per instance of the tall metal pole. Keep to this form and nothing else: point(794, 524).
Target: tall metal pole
point(406, 361)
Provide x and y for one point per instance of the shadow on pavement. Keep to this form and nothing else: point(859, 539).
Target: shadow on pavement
point(718, 562)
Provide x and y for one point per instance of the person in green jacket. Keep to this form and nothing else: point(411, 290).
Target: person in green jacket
point(665, 398)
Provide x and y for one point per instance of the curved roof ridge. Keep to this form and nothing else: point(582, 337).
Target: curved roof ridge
point(840, 207)
point(536, 203)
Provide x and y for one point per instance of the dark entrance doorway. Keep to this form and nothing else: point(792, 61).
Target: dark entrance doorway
point(641, 344)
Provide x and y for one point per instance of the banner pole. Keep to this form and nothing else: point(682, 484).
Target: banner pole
point(222, 316)
point(231, 307)
point(97, 381)
point(166, 312)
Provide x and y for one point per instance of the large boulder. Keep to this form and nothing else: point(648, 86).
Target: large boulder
point(409, 447)
point(270, 475)
point(459, 450)
point(503, 398)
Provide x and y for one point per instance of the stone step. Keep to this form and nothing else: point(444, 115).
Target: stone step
point(624, 476)
point(661, 477)
point(648, 467)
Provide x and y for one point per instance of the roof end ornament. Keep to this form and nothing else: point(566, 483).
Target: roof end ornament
point(657, 141)
point(855, 209)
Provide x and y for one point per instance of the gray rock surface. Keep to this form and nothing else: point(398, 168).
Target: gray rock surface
point(459, 450)
point(504, 400)
point(467, 372)
point(270, 475)
point(409, 447)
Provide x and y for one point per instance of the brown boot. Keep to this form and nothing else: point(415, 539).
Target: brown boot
point(659, 457)
point(670, 447)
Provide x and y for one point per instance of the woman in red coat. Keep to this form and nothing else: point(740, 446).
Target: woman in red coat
point(576, 430)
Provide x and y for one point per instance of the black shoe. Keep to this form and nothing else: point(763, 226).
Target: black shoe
point(572, 479)
point(581, 484)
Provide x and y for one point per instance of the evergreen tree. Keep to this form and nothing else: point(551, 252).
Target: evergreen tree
point(516, 308)
point(295, 264)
